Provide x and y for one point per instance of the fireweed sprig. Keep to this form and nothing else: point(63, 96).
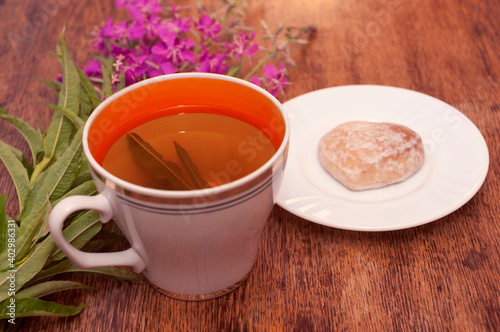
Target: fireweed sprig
point(156, 40)
point(160, 40)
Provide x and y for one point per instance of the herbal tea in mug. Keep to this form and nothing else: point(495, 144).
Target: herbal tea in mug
point(196, 148)
point(188, 166)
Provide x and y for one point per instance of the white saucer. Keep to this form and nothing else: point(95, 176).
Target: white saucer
point(455, 167)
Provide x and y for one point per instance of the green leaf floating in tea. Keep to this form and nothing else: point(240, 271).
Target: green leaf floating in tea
point(150, 159)
point(193, 171)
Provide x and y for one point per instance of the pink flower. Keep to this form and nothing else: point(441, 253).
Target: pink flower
point(140, 10)
point(167, 68)
point(178, 26)
point(102, 33)
point(161, 67)
point(208, 28)
point(127, 32)
point(153, 42)
point(135, 68)
point(93, 69)
point(215, 63)
point(107, 30)
point(175, 50)
point(275, 79)
point(256, 80)
point(241, 45)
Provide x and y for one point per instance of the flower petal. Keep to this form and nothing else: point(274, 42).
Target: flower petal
point(270, 71)
point(256, 80)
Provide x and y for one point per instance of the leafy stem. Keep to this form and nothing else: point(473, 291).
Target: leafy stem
point(40, 185)
point(40, 168)
point(261, 62)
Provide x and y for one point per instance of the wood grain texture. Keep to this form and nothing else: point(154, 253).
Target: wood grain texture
point(443, 276)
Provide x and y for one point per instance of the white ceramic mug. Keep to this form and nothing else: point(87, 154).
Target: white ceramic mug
point(192, 245)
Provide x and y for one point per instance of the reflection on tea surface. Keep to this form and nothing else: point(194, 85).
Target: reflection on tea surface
point(188, 151)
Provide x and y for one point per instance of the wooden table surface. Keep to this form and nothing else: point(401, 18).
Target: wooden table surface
point(441, 276)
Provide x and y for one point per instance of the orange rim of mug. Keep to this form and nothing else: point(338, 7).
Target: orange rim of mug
point(148, 100)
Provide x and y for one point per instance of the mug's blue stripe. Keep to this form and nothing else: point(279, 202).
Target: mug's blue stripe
point(201, 209)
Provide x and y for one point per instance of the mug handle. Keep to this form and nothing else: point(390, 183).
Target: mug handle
point(100, 203)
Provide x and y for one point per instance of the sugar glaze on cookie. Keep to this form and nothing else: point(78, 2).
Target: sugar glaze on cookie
point(367, 155)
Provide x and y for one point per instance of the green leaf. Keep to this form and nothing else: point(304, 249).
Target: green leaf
point(27, 166)
point(32, 136)
point(53, 85)
point(44, 228)
point(83, 173)
point(81, 230)
point(74, 118)
point(28, 307)
point(22, 159)
point(152, 160)
point(60, 128)
point(28, 268)
point(38, 169)
point(86, 189)
point(28, 232)
point(85, 107)
point(121, 81)
point(56, 180)
point(67, 266)
point(103, 239)
point(50, 287)
point(233, 70)
point(36, 200)
point(61, 174)
point(70, 88)
point(17, 172)
point(88, 88)
point(19, 155)
point(58, 136)
point(107, 88)
point(194, 173)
